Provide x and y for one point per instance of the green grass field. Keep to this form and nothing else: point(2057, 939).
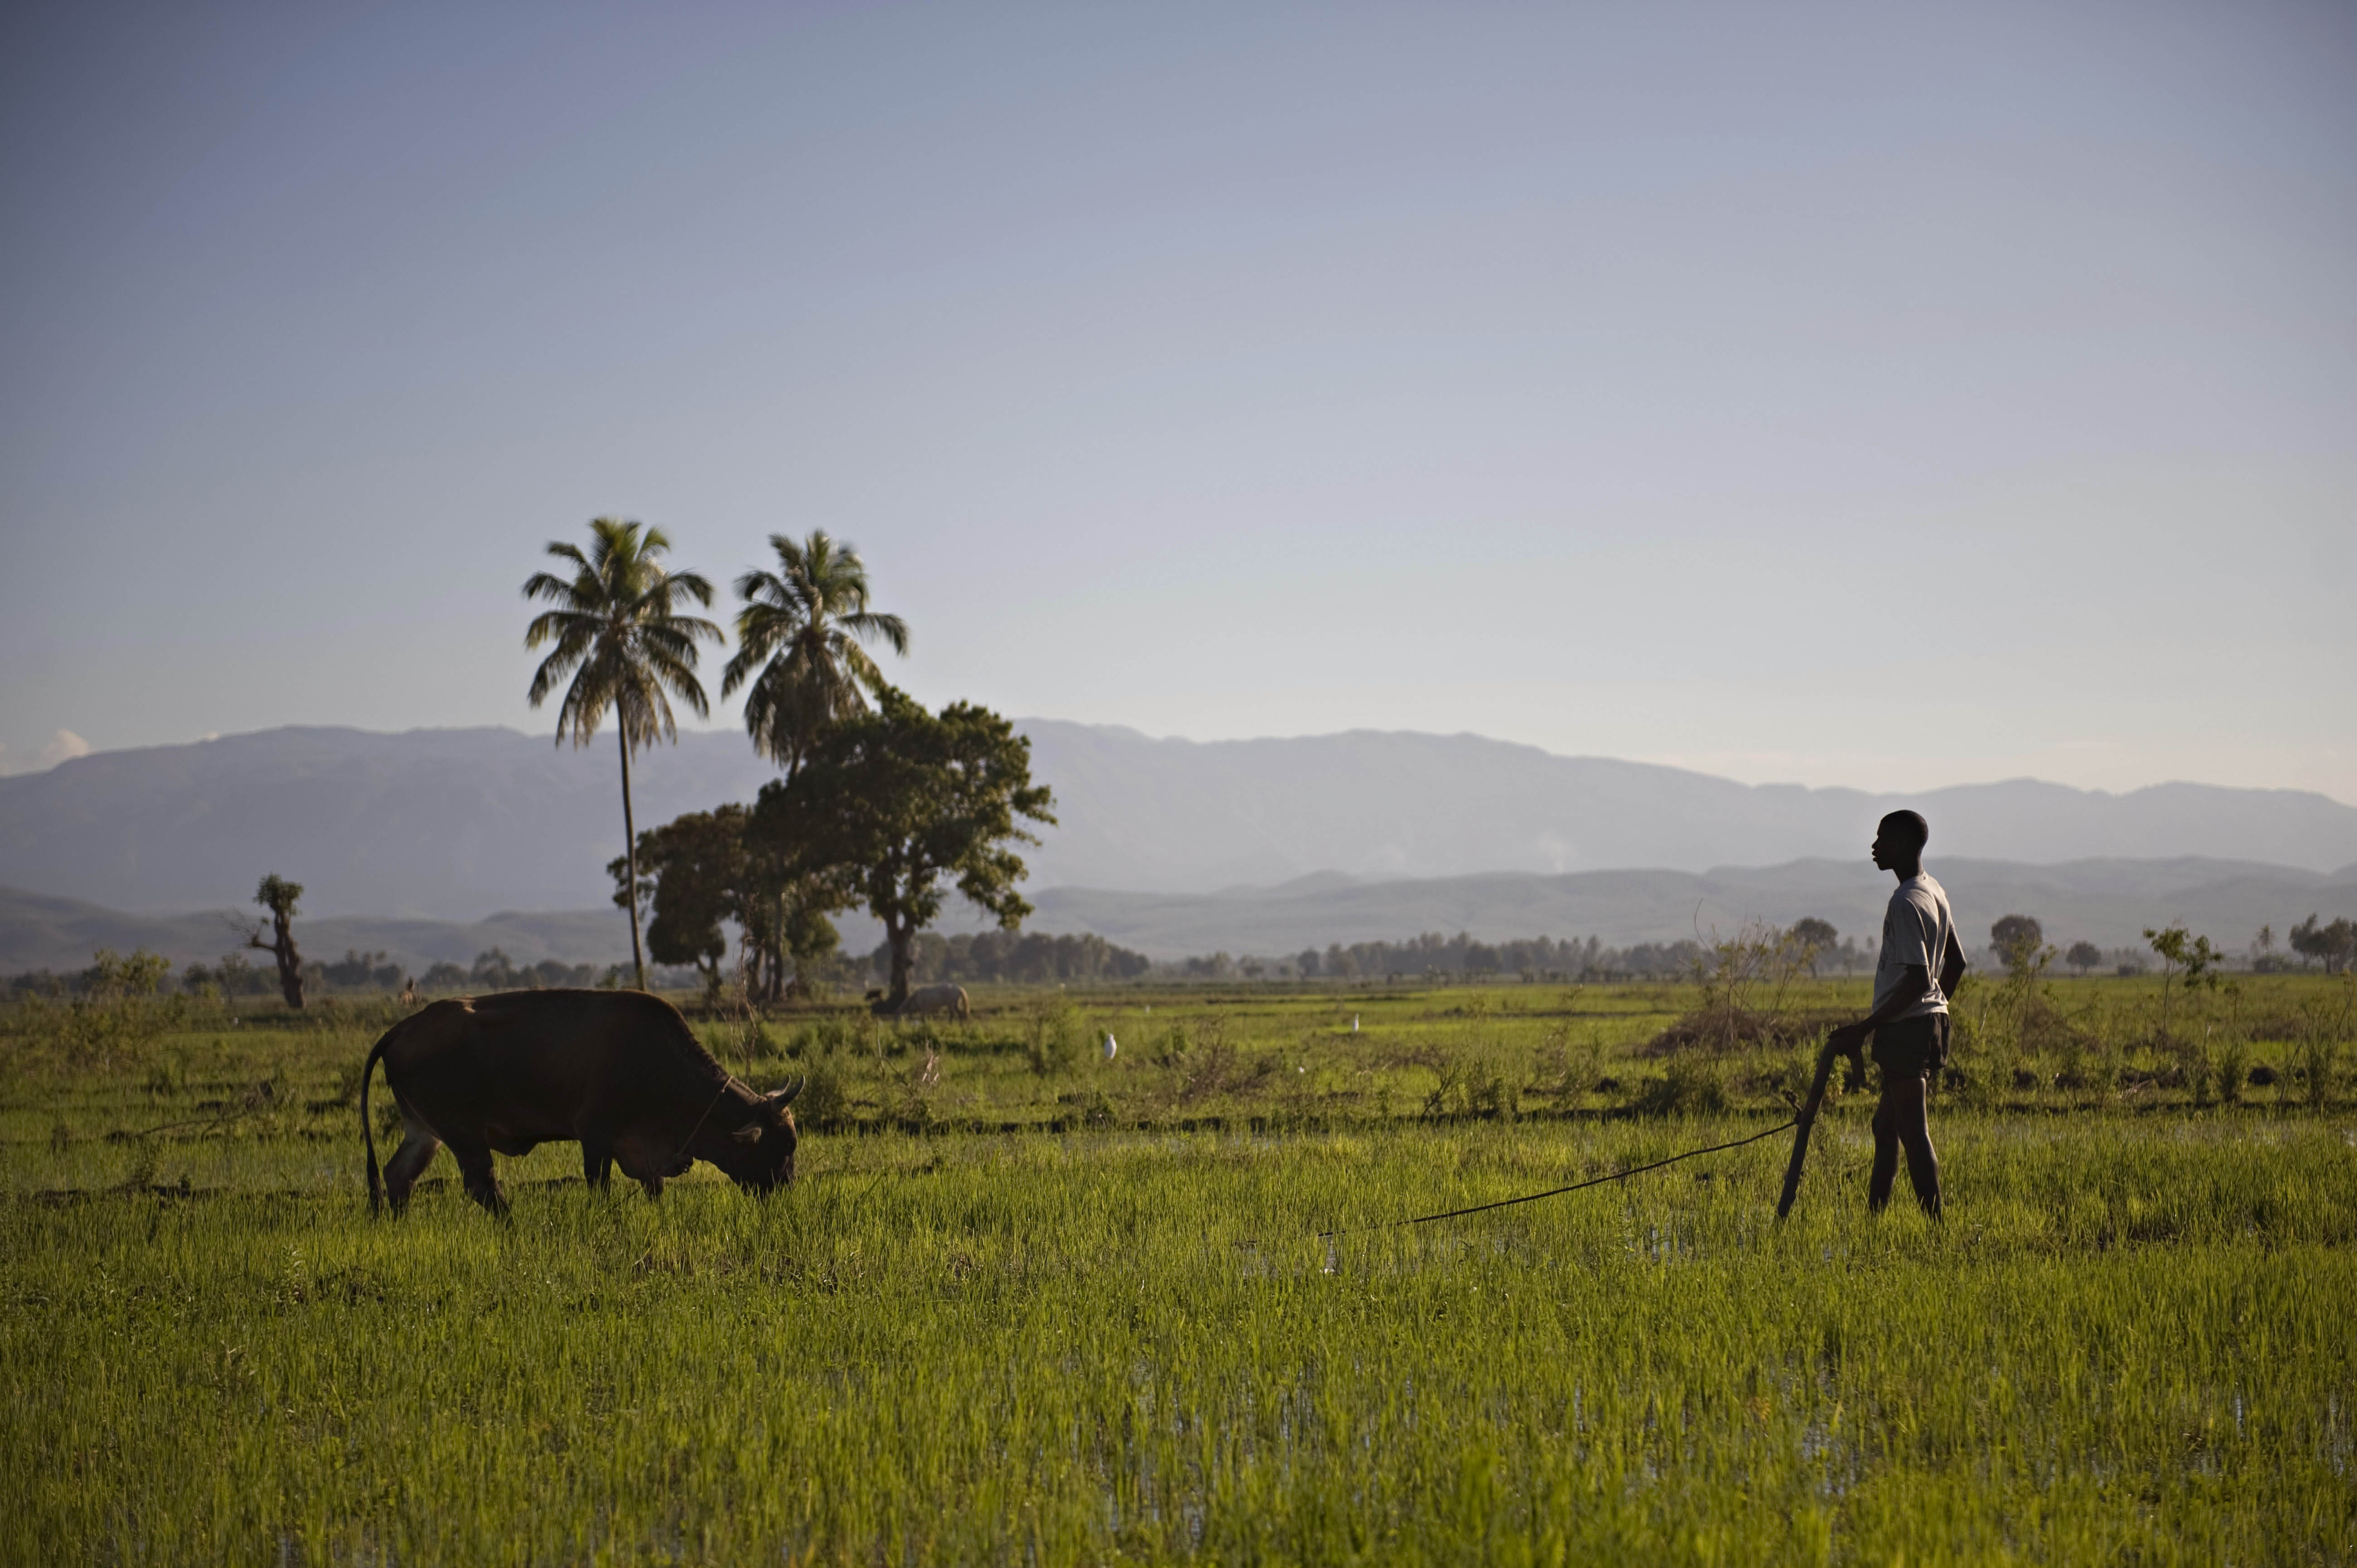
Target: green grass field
point(1111, 1332)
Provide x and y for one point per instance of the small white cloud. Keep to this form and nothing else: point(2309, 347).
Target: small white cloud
point(62, 746)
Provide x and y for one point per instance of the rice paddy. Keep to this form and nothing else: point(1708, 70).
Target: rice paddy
point(1030, 1305)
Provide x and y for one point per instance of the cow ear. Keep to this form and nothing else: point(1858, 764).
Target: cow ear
point(785, 1096)
point(747, 1135)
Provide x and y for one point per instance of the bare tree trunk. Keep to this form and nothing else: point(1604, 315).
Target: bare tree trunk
point(280, 946)
point(904, 961)
point(630, 839)
point(774, 957)
point(778, 946)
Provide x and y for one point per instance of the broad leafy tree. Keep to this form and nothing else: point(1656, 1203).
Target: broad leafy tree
point(619, 633)
point(705, 868)
point(2017, 940)
point(2083, 956)
point(1817, 937)
point(691, 876)
point(893, 809)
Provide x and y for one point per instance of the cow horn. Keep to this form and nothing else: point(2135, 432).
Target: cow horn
point(786, 1096)
point(747, 1135)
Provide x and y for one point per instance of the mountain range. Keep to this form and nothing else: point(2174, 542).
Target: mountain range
point(2108, 902)
point(437, 844)
point(458, 824)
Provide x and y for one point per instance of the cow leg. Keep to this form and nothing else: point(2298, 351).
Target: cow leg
point(631, 1155)
point(418, 1144)
point(482, 1182)
point(597, 1163)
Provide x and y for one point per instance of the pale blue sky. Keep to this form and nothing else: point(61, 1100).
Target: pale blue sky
point(1891, 395)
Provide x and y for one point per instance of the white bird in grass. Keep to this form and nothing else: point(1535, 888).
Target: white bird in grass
point(1109, 1047)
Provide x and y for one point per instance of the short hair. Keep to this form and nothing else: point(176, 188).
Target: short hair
point(1908, 826)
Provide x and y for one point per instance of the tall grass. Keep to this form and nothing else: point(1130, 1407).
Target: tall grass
point(2129, 1342)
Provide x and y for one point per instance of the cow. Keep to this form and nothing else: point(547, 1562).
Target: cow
point(929, 1002)
point(619, 1071)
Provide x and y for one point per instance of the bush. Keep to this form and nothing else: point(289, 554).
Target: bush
point(1692, 1087)
point(117, 1011)
point(1052, 1038)
point(823, 1102)
point(1208, 1062)
point(1497, 1095)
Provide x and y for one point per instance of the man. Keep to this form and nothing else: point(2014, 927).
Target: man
point(1910, 1021)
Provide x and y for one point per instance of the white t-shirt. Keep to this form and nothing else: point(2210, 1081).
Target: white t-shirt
point(1914, 931)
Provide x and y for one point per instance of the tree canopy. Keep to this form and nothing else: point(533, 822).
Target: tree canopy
point(2018, 939)
point(892, 809)
point(702, 869)
point(691, 874)
point(798, 645)
point(2334, 944)
point(619, 633)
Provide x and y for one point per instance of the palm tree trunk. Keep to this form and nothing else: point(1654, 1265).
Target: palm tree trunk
point(630, 841)
point(776, 955)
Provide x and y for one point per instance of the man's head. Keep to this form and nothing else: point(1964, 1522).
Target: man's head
point(1898, 842)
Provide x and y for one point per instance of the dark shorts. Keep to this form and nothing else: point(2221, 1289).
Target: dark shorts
point(1912, 1046)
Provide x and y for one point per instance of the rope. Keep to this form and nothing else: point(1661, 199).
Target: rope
point(689, 1140)
point(1557, 1192)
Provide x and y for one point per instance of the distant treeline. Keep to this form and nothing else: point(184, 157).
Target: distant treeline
point(1016, 956)
point(1435, 953)
point(354, 973)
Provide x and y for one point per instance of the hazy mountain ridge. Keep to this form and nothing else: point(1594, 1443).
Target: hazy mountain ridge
point(40, 931)
point(2108, 902)
point(453, 824)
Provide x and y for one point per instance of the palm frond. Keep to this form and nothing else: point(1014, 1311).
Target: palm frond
point(615, 635)
point(869, 626)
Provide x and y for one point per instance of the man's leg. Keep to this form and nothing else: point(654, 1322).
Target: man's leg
point(1899, 1122)
point(1886, 1146)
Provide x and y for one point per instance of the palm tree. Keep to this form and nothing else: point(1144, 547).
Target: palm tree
point(616, 634)
point(798, 642)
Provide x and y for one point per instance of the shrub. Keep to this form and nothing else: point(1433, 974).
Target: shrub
point(2233, 1065)
point(1208, 1062)
point(1052, 1039)
point(1692, 1087)
point(823, 1102)
point(1497, 1095)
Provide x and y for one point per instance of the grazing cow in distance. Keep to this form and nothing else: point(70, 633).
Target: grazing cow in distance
point(930, 1002)
point(617, 1071)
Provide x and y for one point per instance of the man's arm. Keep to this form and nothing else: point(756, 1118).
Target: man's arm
point(1951, 968)
point(1850, 1037)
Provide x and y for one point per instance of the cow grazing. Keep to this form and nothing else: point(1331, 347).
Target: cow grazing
point(931, 1002)
point(619, 1071)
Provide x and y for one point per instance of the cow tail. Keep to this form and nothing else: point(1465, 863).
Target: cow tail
point(368, 1132)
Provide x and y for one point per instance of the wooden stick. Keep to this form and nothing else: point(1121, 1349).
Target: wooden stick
point(1801, 1132)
